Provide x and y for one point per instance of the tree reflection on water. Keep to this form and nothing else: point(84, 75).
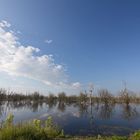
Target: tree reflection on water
point(106, 111)
point(93, 118)
point(102, 111)
point(129, 112)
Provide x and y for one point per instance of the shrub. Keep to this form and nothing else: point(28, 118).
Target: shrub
point(29, 131)
point(135, 136)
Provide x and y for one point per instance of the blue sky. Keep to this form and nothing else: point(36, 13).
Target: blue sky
point(92, 40)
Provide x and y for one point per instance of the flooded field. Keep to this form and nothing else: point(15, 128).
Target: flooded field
point(78, 119)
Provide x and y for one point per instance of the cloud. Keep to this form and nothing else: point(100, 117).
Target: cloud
point(76, 85)
point(4, 23)
point(19, 60)
point(48, 41)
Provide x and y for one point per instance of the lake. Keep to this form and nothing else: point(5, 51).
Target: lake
point(78, 119)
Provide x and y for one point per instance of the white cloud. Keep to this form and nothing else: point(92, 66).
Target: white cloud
point(48, 41)
point(4, 23)
point(19, 60)
point(76, 85)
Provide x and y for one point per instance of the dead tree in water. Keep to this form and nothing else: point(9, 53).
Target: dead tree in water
point(91, 88)
point(125, 95)
point(62, 97)
point(83, 98)
point(105, 96)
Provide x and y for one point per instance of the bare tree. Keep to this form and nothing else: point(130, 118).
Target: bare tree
point(91, 88)
point(62, 97)
point(83, 98)
point(105, 96)
point(125, 95)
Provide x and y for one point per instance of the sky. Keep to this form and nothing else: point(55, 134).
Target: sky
point(65, 45)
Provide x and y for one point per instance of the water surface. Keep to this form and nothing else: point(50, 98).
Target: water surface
point(78, 119)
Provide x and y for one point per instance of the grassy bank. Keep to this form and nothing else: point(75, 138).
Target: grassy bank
point(29, 131)
point(35, 131)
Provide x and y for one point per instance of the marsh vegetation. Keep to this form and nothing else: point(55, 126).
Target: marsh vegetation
point(90, 115)
point(34, 130)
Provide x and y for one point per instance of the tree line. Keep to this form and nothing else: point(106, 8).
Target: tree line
point(103, 96)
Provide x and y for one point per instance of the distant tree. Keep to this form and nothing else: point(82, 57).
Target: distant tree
point(125, 95)
point(3, 94)
point(105, 96)
point(51, 97)
point(91, 88)
point(36, 95)
point(72, 99)
point(62, 97)
point(51, 100)
point(83, 97)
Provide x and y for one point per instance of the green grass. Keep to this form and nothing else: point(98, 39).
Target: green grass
point(35, 131)
point(29, 131)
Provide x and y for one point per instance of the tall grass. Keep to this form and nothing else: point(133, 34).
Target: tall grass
point(29, 131)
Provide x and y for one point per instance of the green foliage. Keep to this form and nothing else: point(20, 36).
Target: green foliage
point(52, 129)
point(118, 138)
point(29, 131)
point(9, 120)
point(49, 122)
point(135, 136)
point(37, 124)
point(98, 138)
